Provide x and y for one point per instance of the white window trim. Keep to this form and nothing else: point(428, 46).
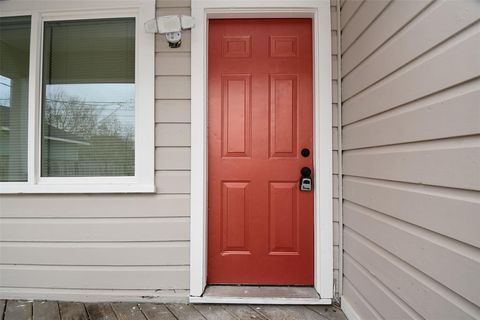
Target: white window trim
point(41, 11)
point(319, 11)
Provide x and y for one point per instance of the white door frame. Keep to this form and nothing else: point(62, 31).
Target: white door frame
point(319, 12)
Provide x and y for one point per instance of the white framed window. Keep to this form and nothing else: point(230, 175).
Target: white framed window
point(76, 97)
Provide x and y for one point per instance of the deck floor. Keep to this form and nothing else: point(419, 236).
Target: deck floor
point(50, 310)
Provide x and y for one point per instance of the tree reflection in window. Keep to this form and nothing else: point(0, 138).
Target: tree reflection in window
point(89, 98)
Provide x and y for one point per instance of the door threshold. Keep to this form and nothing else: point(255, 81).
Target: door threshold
point(260, 295)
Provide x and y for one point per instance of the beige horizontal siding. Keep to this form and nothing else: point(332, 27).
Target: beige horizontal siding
point(172, 182)
point(429, 71)
point(125, 246)
point(172, 158)
point(172, 111)
point(451, 113)
point(412, 162)
point(172, 87)
point(93, 230)
point(434, 163)
point(79, 277)
point(361, 306)
point(172, 64)
point(395, 16)
point(428, 298)
point(173, 3)
point(94, 206)
point(411, 150)
point(386, 302)
point(172, 134)
point(420, 248)
point(174, 253)
point(348, 11)
point(451, 212)
point(168, 11)
point(430, 28)
point(365, 14)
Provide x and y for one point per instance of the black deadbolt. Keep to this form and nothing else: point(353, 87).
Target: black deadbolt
point(306, 172)
point(305, 152)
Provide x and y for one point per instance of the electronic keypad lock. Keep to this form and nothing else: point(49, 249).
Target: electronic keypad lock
point(306, 183)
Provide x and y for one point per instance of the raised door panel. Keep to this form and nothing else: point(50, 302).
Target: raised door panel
point(283, 115)
point(236, 115)
point(283, 218)
point(234, 218)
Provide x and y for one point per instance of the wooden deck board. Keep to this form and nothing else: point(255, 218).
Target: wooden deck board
point(214, 312)
point(185, 312)
point(46, 310)
point(18, 310)
point(51, 310)
point(100, 311)
point(288, 313)
point(2, 308)
point(156, 312)
point(128, 311)
point(329, 312)
point(72, 311)
point(243, 312)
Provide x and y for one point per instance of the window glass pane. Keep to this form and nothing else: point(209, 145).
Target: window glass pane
point(88, 113)
point(14, 64)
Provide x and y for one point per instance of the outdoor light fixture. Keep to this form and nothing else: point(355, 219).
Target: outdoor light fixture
point(171, 26)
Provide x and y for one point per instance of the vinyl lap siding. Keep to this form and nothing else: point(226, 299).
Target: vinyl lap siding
point(125, 247)
point(411, 158)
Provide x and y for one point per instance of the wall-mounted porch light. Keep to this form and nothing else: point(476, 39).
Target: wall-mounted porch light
point(171, 26)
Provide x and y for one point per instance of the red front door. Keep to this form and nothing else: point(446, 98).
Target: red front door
point(260, 225)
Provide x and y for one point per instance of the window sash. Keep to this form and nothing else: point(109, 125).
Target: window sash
point(14, 62)
point(98, 54)
point(143, 180)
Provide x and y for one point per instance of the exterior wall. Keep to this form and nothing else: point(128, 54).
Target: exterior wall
point(411, 150)
point(132, 247)
point(122, 246)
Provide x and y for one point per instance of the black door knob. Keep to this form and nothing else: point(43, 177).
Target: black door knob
point(306, 172)
point(305, 152)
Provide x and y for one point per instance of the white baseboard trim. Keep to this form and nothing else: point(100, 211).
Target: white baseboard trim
point(348, 310)
point(79, 295)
